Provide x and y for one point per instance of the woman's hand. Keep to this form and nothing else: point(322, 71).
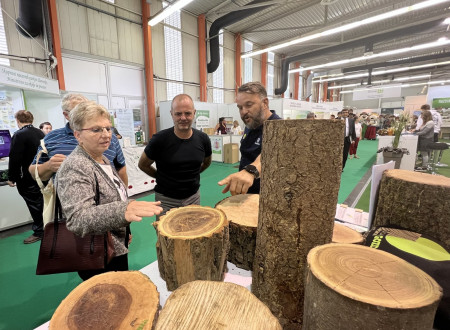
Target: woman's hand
point(136, 210)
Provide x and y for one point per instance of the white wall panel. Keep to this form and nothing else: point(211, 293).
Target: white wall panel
point(190, 54)
point(126, 81)
point(73, 26)
point(84, 76)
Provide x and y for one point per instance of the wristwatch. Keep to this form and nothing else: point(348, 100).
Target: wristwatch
point(252, 170)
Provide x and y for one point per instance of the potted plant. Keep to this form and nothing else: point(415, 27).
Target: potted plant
point(393, 152)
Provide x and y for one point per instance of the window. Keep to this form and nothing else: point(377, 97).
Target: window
point(3, 44)
point(173, 52)
point(248, 63)
point(270, 73)
point(218, 75)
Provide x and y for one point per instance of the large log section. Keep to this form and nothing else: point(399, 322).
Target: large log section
point(113, 300)
point(418, 202)
point(193, 243)
point(353, 287)
point(205, 305)
point(301, 173)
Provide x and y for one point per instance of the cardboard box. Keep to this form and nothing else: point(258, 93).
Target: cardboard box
point(209, 130)
point(231, 153)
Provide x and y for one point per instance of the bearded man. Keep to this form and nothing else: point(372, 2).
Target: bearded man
point(254, 110)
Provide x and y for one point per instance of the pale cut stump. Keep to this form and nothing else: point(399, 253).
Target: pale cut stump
point(242, 214)
point(301, 174)
point(351, 286)
point(343, 234)
point(418, 202)
point(193, 242)
point(205, 305)
point(113, 300)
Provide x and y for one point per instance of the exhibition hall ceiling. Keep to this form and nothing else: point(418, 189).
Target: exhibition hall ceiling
point(286, 20)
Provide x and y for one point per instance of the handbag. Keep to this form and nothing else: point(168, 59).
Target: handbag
point(48, 191)
point(63, 251)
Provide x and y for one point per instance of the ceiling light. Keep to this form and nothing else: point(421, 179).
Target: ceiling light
point(166, 12)
point(349, 26)
point(344, 86)
point(438, 43)
point(345, 92)
point(447, 21)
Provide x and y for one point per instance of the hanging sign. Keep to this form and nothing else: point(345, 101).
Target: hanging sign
point(202, 119)
point(378, 92)
point(23, 80)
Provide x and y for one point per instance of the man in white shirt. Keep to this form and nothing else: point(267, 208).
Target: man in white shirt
point(437, 119)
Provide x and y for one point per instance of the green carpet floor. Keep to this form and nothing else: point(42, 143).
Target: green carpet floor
point(28, 301)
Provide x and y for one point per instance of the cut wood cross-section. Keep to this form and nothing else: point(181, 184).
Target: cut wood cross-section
point(193, 243)
point(113, 300)
point(343, 234)
point(205, 305)
point(350, 286)
point(242, 213)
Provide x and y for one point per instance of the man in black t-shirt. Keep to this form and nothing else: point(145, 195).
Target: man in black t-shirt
point(181, 153)
point(254, 110)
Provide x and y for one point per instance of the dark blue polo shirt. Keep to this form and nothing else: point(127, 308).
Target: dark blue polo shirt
point(251, 143)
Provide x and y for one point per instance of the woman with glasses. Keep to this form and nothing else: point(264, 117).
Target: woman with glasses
point(77, 180)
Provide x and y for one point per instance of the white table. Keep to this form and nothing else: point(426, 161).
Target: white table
point(408, 141)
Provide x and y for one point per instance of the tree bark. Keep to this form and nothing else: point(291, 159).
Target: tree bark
point(343, 234)
point(113, 300)
point(418, 202)
point(301, 172)
point(242, 213)
point(193, 242)
point(205, 305)
point(351, 286)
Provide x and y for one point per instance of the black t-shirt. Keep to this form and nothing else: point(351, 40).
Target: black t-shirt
point(251, 144)
point(178, 161)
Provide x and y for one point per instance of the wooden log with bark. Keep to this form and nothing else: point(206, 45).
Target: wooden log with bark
point(351, 286)
point(113, 300)
point(205, 305)
point(242, 214)
point(301, 173)
point(193, 242)
point(418, 202)
point(343, 234)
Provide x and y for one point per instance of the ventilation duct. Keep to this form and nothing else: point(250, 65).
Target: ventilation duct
point(30, 18)
point(222, 22)
point(347, 45)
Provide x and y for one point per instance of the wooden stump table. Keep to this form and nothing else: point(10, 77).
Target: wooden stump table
point(205, 305)
point(113, 300)
point(343, 234)
point(242, 214)
point(193, 242)
point(351, 286)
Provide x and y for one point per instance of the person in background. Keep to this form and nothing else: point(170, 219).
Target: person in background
point(350, 135)
point(221, 127)
point(116, 133)
point(24, 144)
point(437, 120)
point(426, 135)
point(45, 127)
point(181, 153)
point(254, 109)
point(87, 168)
point(354, 146)
point(420, 119)
point(61, 142)
point(236, 130)
point(310, 115)
point(332, 117)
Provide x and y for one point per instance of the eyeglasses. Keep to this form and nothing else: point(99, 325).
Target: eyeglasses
point(98, 130)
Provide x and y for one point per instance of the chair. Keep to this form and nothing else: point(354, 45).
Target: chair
point(437, 147)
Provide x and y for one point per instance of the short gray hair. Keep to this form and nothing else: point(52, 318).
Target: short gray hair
point(253, 87)
point(85, 111)
point(71, 100)
point(180, 97)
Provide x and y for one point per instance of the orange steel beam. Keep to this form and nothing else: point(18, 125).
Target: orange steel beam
point(307, 92)
point(264, 69)
point(325, 91)
point(149, 82)
point(56, 43)
point(238, 62)
point(202, 56)
point(296, 80)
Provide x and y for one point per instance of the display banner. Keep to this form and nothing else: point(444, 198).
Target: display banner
point(377, 92)
point(24, 80)
point(123, 122)
point(202, 119)
point(443, 102)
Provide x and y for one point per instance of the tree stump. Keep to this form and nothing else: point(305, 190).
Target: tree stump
point(242, 214)
point(418, 202)
point(301, 173)
point(193, 242)
point(205, 305)
point(351, 286)
point(343, 234)
point(113, 300)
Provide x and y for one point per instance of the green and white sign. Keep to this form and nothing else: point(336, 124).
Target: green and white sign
point(202, 119)
point(443, 102)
